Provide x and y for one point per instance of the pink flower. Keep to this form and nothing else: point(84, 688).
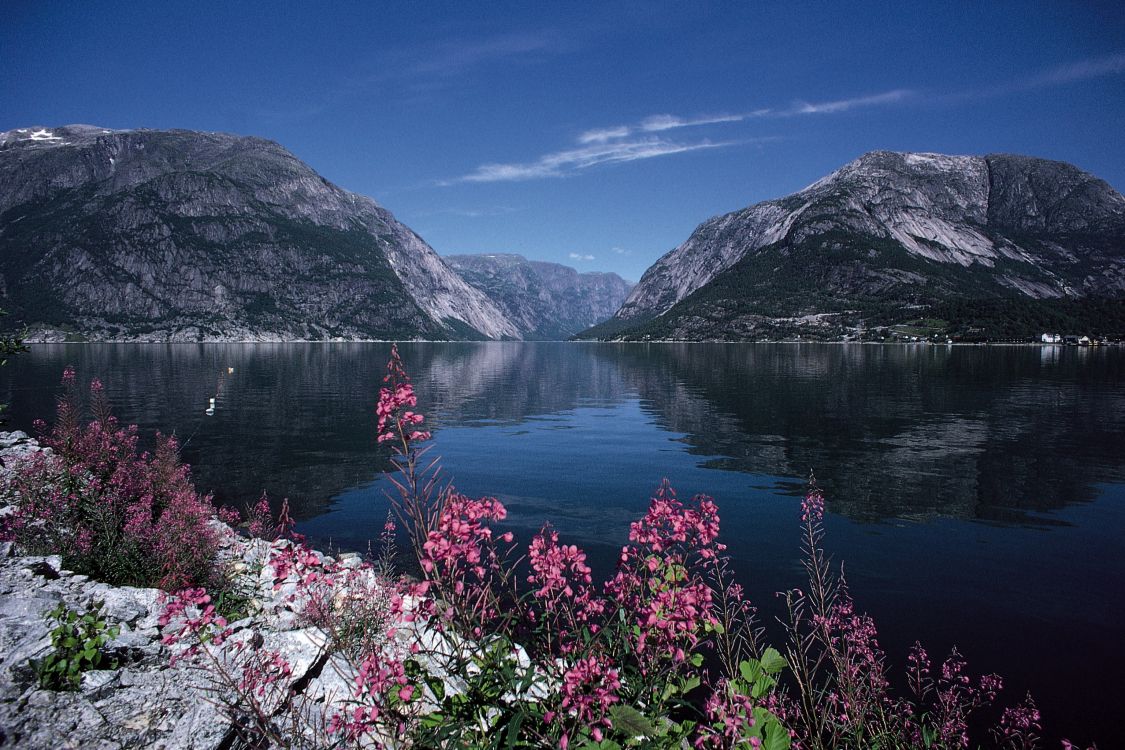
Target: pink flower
point(812, 507)
point(657, 580)
point(393, 408)
point(589, 688)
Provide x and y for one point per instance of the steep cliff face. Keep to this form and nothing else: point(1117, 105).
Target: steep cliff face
point(180, 235)
point(888, 230)
point(544, 300)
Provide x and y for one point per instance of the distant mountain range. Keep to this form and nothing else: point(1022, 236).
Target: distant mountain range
point(180, 235)
point(544, 300)
point(959, 245)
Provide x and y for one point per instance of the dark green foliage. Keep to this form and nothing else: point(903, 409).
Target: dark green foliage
point(866, 283)
point(1022, 317)
point(79, 642)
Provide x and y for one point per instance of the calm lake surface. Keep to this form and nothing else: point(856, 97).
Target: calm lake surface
point(976, 494)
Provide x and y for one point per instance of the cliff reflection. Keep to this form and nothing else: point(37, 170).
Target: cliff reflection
point(896, 431)
point(892, 432)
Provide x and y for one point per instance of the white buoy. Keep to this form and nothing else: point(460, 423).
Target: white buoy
point(211, 408)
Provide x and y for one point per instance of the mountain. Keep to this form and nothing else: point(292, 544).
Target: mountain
point(993, 245)
point(544, 300)
point(181, 235)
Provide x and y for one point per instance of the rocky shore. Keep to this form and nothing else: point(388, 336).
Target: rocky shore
point(146, 702)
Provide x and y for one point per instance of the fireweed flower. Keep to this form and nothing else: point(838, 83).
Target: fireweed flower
point(657, 580)
point(396, 421)
point(114, 512)
point(459, 543)
point(461, 558)
point(589, 688)
point(561, 587)
point(812, 507)
point(731, 717)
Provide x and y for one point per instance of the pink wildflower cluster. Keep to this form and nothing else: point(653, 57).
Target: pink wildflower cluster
point(957, 698)
point(228, 515)
point(382, 686)
point(860, 661)
point(669, 524)
point(298, 562)
point(812, 507)
point(657, 578)
point(114, 512)
point(264, 671)
point(461, 558)
point(462, 542)
point(259, 518)
point(378, 676)
point(1019, 727)
point(190, 617)
point(589, 688)
point(561, 588)
point(843, 696)
point(396, 421)
point(730, 716)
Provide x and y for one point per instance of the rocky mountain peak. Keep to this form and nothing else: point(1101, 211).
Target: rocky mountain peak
point(546, 300)
point(176, 233)
point(889, 224)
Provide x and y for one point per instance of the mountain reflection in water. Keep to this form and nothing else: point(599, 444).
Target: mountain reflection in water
point(907, 432)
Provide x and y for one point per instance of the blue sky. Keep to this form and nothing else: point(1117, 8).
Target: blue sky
point(593, 134)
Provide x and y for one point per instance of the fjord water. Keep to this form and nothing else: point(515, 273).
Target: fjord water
point(976, 494)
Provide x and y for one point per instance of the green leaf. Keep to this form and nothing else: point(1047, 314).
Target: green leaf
point(777, 738)
point(632, 722)
point(513, 734)
point(772, 661)
point(603, 745)
point(750, 670)
point(436, 686)
point(762, 686)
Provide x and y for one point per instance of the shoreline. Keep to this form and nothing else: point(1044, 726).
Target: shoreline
point(771, 342)
point(145, 700)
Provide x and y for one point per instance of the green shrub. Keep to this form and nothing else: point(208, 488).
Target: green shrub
point(79, 645)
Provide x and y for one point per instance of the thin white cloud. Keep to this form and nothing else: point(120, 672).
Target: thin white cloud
point(622, 251)
point(658, 123)
point(562, 163)
point(605, 134)
point(664, 122)
point(1082, 70)
point(843, 105)
point(624, 143)
point(457, 56)
point(579, 256)
point(1061, 75)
